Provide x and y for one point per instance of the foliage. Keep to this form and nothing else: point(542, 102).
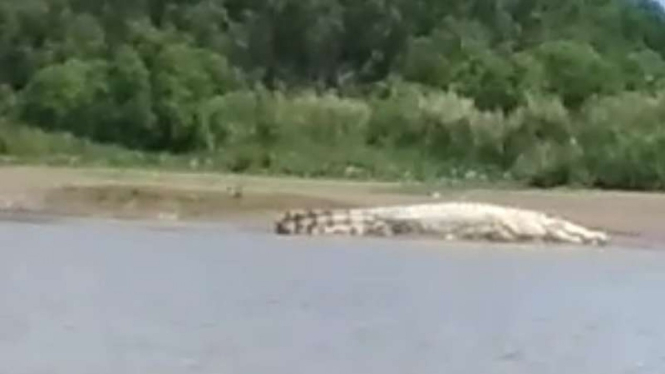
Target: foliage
point(549, 95)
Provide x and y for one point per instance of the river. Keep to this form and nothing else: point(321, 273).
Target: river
point(82, 297)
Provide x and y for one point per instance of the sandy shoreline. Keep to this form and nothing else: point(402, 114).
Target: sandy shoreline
point(170, 196)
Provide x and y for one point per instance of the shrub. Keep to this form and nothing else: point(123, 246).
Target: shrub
point(575, 71)
point(325, 119)
point(624, 138)
point(63, 96)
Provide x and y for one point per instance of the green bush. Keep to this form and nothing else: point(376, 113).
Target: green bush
point(624, 135)
point(575, 71)
point(64, 97)
point(446, 131)
point(251, 127)
point(614, 142)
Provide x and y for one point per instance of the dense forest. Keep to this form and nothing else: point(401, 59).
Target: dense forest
point(567, 92)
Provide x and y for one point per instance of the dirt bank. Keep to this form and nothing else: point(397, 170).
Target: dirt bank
point(184, 196)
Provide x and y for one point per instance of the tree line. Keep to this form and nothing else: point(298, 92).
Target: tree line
point(547, 92)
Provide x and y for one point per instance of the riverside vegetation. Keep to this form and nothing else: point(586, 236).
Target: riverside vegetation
point(539, 92)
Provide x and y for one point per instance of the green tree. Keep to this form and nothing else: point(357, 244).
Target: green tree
point(575, 71)
point(183, 77)
point(127, 116)
point(64, 96)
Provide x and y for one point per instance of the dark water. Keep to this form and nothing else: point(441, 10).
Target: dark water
point(94, 298)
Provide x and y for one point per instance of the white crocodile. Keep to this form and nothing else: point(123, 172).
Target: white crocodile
point(448, 220)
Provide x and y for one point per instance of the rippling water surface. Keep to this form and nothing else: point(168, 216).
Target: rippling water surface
point(99, 297)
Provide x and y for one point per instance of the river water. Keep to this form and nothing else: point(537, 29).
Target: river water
point(83, 297)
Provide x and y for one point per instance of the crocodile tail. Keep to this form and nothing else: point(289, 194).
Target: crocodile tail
point(331, 222)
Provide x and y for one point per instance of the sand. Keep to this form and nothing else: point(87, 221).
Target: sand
point(170, 196)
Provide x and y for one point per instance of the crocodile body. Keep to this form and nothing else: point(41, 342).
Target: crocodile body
point(449, 221)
